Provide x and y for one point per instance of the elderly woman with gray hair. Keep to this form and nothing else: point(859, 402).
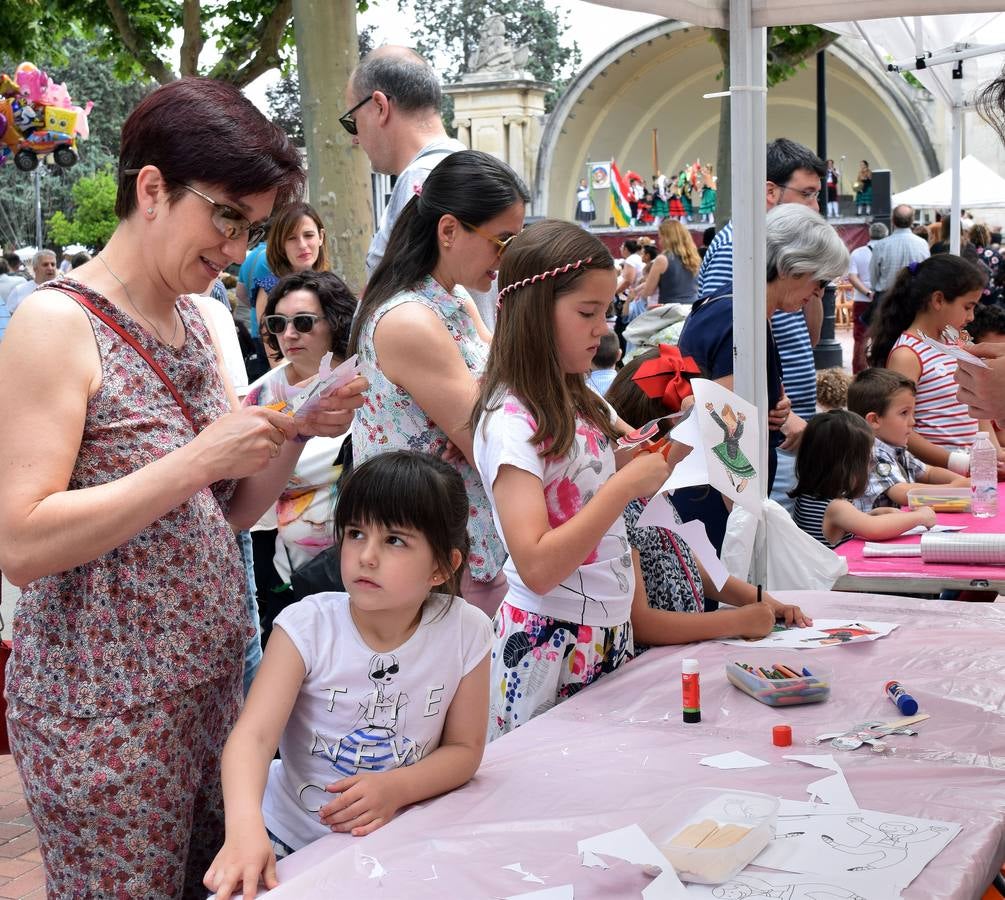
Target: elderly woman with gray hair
point(804, 253)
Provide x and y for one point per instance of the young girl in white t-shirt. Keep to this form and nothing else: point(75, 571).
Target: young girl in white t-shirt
point(377, 698)
point(543, 445)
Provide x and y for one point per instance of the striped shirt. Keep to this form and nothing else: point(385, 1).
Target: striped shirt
point(939, 416)
point(792, 337)
point(809, 516)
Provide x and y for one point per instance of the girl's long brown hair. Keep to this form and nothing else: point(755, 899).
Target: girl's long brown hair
point(524, 355)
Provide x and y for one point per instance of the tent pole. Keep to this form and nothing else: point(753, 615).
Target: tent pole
point(748, 99)
point(956, 151)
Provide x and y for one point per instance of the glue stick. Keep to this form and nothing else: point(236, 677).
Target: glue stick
point(690, 690)
point(905, 702)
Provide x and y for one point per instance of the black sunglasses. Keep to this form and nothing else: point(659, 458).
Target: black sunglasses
point(303, 322)
point(380, 673)
point(348, 121)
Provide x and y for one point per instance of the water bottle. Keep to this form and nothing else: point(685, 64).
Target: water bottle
point(983, 477)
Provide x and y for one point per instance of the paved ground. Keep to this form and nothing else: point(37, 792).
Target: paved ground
point(21, 873)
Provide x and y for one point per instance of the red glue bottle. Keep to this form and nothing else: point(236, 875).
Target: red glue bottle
point(690, 690)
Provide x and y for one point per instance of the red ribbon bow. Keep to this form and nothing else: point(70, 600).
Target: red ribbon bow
point(663, 378)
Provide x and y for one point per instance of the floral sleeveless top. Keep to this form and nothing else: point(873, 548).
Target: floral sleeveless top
point(163, 612)
point(390, 419)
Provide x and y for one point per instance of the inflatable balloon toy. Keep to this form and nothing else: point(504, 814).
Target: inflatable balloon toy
point(38, 120)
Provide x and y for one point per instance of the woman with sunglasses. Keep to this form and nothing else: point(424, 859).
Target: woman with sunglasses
point(306, 316)
point(126, 471)
point(296, 242)
point(419, 332)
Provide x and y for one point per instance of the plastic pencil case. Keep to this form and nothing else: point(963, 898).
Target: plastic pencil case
point(940, 499)
point(814, 688)
point(710, 834)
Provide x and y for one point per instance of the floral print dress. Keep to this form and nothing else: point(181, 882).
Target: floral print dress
point(390, 419)
point(548, 647)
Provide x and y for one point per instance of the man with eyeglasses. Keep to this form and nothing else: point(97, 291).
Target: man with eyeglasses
point(393, 102)
point(794, 175)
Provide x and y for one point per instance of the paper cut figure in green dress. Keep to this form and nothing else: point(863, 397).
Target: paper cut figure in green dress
point(729, 452)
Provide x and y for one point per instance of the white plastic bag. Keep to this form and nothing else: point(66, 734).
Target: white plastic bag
point(795, 561)
point(642, 328)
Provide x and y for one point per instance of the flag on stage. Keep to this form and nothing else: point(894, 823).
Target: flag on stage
point(619, 198)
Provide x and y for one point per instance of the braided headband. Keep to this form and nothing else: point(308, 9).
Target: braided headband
point(552, 273)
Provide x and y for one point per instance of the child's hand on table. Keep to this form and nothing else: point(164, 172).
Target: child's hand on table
point(365, 802)
point(241, 861)
point(788, 613)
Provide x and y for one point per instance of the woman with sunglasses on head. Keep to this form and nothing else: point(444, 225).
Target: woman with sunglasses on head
point(419, 332)
point(296, 242)
point(306, 316)
point(129, 470)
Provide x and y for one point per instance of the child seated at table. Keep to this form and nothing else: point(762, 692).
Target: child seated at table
point(377, 698)
point(674, 584)
point(832, 470)
point(885, 399)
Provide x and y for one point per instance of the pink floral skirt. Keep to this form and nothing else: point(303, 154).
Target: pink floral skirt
point(538, 661)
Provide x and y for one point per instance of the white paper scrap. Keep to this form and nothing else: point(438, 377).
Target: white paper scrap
point(734, 760)
point(890, 848)
point(378, 871)
point(520, 870)
point(632, 844)
point(833, 789)
point(561, 892)
point(935, 529)
point(956, 351)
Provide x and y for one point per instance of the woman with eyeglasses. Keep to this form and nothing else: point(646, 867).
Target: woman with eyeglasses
point(419, 332)
point(296, 242)
point(126, 471)
point(306, 316)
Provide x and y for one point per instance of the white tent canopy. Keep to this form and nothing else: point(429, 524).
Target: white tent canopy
point(746, 21)
point(979, 187)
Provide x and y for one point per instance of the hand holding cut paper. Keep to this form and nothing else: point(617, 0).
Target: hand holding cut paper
point(241, 443)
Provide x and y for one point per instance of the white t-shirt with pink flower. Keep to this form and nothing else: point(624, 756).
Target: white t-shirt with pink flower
point(600, 591)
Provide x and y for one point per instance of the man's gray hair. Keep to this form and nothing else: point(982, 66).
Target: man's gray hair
point(878, 231)
point(800, 242)
point(404, 77)
point(40, 255)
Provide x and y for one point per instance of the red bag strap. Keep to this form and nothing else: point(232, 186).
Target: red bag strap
point(135, 344)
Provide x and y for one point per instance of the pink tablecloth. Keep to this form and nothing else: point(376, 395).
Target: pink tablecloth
point(913, 567)
point(618, 751)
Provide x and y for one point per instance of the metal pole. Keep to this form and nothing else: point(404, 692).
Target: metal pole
point(38, 208)
point(956, 154)
point(822, 109)
point(748, 129)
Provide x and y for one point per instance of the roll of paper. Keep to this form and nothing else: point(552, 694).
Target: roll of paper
point(985, 549)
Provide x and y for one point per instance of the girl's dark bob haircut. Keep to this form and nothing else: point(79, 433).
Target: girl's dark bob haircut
point(338, 305)
point(406, 489)
point(834, 454)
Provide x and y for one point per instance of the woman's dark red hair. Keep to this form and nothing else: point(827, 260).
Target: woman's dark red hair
point(201, 130)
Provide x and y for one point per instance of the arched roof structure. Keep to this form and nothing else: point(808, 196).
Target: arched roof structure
point(655, 78)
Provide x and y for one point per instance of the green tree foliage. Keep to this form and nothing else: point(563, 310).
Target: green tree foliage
point(247, 37)
point(94, 216)
point(447, 33)
point(87, 78)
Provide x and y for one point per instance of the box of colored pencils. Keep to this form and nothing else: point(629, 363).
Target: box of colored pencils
point(780, 680)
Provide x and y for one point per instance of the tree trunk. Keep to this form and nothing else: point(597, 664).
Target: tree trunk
point(339, 173)
point(724, 154)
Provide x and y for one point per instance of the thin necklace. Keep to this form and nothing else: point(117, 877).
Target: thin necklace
point(154, 328)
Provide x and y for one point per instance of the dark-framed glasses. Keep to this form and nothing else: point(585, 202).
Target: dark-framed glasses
point(501, 243)
point(348, 121)
point(303, 322)
point(805, 193)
